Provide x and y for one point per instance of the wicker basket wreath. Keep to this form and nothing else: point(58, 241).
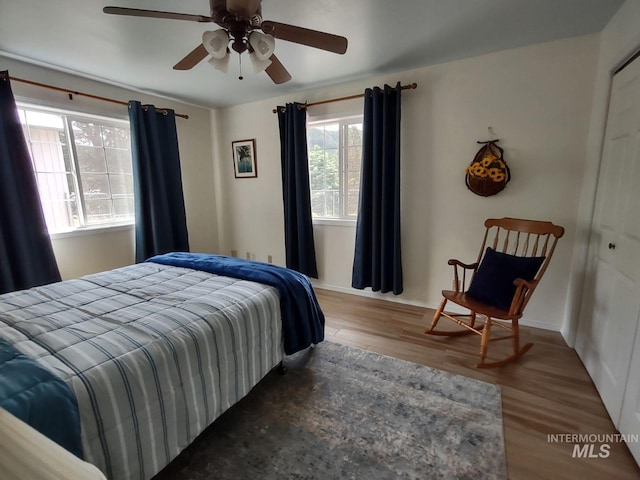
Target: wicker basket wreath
point(488, 174)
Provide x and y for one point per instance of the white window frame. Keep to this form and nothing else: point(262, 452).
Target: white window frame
point(68, 117)
point(343, 120)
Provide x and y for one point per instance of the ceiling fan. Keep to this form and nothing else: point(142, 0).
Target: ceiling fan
point(245, 31)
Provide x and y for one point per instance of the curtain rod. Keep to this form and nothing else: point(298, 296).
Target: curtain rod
point(411, 86)
point(95, 97)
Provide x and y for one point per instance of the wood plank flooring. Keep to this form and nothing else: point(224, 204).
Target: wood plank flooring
point(547, 391)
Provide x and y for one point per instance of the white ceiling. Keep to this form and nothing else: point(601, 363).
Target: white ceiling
point(385, 36)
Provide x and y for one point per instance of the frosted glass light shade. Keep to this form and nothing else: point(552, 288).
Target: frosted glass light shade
point(258, 65)
point(263, 45)
point(216, 42)
point(221, 64)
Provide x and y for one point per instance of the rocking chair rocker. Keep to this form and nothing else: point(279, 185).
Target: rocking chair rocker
point(515, 254)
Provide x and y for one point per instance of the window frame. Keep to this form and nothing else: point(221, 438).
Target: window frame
point(344, 120)
point(68, 117)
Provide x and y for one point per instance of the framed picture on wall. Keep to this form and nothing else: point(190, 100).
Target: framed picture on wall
point(244, 158)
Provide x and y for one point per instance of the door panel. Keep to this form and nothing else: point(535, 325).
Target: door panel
point(608, 341)
point(628, 261)
point(630, 415)
point(605, 346)
point(611, 175)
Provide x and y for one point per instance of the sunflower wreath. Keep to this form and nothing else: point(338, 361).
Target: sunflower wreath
point(488, 173)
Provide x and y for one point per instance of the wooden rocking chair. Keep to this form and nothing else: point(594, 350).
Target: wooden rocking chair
point(515, 254)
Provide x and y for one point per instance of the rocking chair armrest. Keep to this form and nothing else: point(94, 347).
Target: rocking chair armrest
point(520, 282)
point(522, 287)
point(457, 263)
point(458, 283)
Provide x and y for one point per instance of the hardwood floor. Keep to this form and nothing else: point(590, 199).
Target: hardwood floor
point(547, 391)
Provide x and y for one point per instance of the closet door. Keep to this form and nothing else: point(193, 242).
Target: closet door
point(611, 305)
point(630, 415)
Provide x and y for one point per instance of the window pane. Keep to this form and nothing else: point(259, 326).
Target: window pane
point(118, 160)
point(332, 135)
point(104, 160)
point(59, 205)
point(123, 208)
point(353, 193)
point(103, 163)
point(44, 120)
point(334, 158)
point(352, 202)
point(87, 133)
point(354, 159)
point(46, 139)
point(115, 137)
point(95, 185)
point(354, 135)
point(46, 153)
point(91, 159)
point(324, 173)
point(98, 210)
point(121, 184)
point(325, 182)
point(315, 137)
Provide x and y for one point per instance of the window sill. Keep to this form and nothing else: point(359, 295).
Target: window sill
point(334, 222)
point(97, 230)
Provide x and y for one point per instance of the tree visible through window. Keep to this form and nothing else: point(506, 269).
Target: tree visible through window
point(335, 149)
point(82, 166)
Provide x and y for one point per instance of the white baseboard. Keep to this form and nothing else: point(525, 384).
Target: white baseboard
point(398, 299)
point(390, 297)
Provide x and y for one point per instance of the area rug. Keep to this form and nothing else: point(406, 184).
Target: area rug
point(345, 413)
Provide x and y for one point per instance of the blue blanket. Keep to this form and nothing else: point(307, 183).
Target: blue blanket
point(37, 397)
point(302, 318)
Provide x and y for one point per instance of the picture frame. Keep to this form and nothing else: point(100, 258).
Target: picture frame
point(244, 158)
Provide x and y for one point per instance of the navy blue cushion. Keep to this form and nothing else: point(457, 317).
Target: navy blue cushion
point(493, 282)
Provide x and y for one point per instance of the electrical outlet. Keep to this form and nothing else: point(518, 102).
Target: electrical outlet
point(253, 256)
point(248, 255)
point(269, 259)
point(234, 253)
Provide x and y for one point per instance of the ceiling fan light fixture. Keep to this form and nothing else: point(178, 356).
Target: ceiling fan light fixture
point(221, 64)
point(262, 44)
point(216, 42)
point(258, 64)
point(242, 29)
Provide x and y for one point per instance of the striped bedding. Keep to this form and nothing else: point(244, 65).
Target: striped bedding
point(153, 353)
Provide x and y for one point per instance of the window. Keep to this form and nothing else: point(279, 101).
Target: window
point(335, 149)
point(83, 168)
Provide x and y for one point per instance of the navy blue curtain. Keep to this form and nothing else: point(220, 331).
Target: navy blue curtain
point(161, 222)
point(377, 261)
point(26, 255)
point(298, 229)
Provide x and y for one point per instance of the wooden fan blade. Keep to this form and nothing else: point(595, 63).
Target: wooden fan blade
point(192, 59)
point(304, 36)
point(136, 12)
point(277, 72)
point(244, 8)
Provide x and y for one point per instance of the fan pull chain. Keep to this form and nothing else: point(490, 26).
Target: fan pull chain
point(240, 77)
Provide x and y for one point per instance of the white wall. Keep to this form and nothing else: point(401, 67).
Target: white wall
point(537, 99)
point(88, 253)
point(619, 40)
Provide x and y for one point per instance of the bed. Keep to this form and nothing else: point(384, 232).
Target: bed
point(132, 364)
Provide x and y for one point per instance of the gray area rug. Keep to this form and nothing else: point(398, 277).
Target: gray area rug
point(345, 413)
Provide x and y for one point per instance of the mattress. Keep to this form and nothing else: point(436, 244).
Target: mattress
point(153, 353)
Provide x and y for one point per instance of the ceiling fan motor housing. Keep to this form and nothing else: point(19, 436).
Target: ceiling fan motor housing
point(238, 26)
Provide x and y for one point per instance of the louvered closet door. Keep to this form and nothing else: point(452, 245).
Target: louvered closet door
point(610, 311)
